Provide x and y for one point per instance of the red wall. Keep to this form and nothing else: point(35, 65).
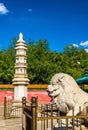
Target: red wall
point(41, 94)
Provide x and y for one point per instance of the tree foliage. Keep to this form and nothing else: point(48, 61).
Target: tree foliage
point(44, 63)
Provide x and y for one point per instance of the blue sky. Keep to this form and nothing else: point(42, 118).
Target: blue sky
point(60, 22)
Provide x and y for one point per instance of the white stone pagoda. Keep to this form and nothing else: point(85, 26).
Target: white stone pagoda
point(20, 80)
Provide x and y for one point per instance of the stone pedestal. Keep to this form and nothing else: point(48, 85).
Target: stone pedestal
point(16, 109)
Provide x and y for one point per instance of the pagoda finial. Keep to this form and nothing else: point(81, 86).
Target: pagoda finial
point(20, 36)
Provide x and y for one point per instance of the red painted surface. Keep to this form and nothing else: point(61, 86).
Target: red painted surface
point(41, 94)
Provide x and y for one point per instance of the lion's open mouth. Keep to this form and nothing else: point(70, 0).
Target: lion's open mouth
point(53, 99)
point(53, 94)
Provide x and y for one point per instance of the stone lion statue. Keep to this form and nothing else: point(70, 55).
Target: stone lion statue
point(67, 94)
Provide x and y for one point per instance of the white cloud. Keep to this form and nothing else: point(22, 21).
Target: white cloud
point(3, 9)
point(30, 10)
point(75, 45)
point(85, 44)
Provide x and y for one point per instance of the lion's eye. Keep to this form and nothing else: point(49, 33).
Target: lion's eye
point(53, 84)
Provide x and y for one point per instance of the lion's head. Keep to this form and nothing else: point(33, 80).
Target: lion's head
point(60, 84)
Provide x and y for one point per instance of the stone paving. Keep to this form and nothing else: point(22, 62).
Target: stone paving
point(9, 124)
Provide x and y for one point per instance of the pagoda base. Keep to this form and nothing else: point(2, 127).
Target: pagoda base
point(16, 109)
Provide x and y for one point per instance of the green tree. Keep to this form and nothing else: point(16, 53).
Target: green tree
point(44, 63)
point(7, 58)
point(37, 61)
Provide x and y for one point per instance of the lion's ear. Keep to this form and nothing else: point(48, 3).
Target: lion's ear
point(61, 82)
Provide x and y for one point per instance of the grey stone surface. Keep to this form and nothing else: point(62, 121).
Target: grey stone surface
point(9, 124)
